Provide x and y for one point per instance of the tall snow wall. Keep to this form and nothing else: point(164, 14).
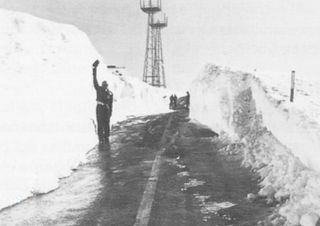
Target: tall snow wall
point(280, 142)
point(47, 102)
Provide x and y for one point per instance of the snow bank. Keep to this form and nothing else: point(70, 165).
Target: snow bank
point(48, 103)
point(282, 140)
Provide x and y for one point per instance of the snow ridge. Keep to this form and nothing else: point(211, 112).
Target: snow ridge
point(280, 141)
point(48, 103)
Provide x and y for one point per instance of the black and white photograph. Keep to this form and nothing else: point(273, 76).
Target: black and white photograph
point(159, 113)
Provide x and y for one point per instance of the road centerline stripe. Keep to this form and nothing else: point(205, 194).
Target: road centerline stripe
point(144, 211)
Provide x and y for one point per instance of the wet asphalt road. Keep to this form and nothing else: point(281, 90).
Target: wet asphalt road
point(198, 184)
point(199, 177)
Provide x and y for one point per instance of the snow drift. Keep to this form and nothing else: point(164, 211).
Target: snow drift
point(48, 103)
point(281, 140)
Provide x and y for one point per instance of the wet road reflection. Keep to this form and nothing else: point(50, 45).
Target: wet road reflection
point(105, 190)
point(63, 205)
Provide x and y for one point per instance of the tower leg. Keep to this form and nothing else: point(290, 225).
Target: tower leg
point(162, 73)
point(149, 54)
point(156, 59)
point(159, 65)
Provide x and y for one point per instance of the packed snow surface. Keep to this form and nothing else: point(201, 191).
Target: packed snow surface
point(48, 103)
point(280, 139)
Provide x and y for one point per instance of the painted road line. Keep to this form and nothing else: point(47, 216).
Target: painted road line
point(143, 215)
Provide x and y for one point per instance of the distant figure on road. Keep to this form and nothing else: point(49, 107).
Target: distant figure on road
point(104, 106)
point(171, 102)
point(174, 101)
point(188, 100)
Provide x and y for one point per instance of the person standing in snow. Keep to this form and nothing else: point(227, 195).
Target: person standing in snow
point(171, 102)
point(104, 106)
point(188, 100)
point(175, 100)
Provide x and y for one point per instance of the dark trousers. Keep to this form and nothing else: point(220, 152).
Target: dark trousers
point(103, 120)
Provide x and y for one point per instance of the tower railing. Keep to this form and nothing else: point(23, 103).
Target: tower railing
point(159, 20)
point(150, 6)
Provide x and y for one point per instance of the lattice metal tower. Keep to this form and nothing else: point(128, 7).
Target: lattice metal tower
point(154, 73)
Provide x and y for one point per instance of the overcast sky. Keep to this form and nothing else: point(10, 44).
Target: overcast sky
point(269, 35)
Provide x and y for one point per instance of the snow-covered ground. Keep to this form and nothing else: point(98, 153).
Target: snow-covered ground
point(47, 103)
point(280, 140)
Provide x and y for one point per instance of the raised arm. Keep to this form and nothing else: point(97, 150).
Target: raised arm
point(94, 73)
